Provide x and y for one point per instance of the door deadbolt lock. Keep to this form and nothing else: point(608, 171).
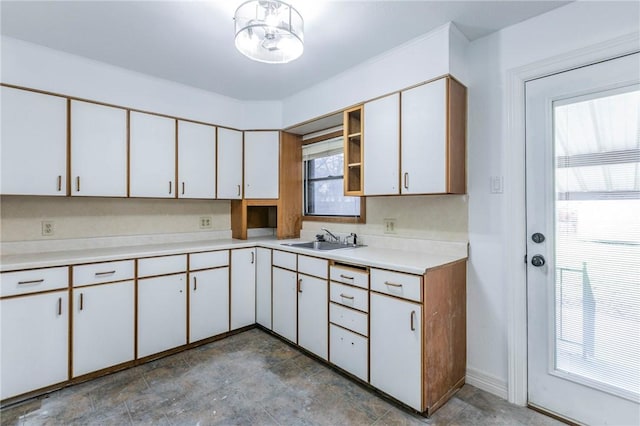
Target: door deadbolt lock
point(538, 260)
point(537, 238)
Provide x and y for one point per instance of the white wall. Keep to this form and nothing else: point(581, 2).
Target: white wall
point(563, 30)
point(34, 66)
point(418, 60)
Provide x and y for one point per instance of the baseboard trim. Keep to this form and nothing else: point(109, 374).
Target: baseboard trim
point(487, 382)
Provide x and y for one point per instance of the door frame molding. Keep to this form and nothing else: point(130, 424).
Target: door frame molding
point(514, 154)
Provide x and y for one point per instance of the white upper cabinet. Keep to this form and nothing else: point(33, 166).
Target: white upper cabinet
point(229, 164)
point(261, 164)
point(34, 143)
point(382, 146)
point(152, 156)
point(196, 160)
point(424, 139)
point(98, 150)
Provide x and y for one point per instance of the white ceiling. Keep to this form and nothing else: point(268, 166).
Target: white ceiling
point(191, 42)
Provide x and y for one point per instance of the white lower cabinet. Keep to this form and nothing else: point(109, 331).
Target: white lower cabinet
point(103, 326)
point(263, 287)
point(396, 348)
point(285, 304)
point(162, 314)
point(312, 315)
point(349, 351)
point(243, 287)
point(208, 303)
point(34, 342)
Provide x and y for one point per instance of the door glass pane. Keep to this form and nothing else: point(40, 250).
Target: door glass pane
point(597, 259)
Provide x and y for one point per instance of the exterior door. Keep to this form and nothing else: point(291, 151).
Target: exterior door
point(583, 242)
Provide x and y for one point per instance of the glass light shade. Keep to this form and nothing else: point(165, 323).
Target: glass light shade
point(269, 31)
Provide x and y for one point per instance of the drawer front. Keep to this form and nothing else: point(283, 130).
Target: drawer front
point(349, 351)
point(284, 260)
point(313, 266)
point(162, 265)
point(211, 259)
point(350, 276)
point(348, 318)
point(397, 284)
point(105, 272)
point(350, 296)
point(33, 281)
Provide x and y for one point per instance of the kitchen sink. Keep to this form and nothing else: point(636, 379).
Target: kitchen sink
point(319, 245)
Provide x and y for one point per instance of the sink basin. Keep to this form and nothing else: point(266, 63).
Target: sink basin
point(318, 245)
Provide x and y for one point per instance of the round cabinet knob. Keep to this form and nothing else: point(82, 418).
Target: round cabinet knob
point(538, 260)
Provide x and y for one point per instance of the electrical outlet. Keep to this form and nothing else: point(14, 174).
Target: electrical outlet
point(206, 222)
point(47, 228)
point(389, 226)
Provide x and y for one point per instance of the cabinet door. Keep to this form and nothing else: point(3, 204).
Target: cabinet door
point(229, 164)
point(396, 348)
point(423, 153)
point(162, 314)
point(285, 304)
point(103, 326)
point(208, 303)
point(196, 160)
point(263, 287)
point(243, 287)
point(313, 315)
point(34, 342)
point(33, 153)
point(261, 163)
point(382, 146)
point(152, 156)
point(98, 150)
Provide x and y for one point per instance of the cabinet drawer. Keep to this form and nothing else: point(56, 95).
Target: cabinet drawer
point(350, 296)
point(33, 281)
point(348, 318)
point(348, 351)
point(350, 276)
point(312, 266)
point(97, 273)
point(162, 265)
point(284, 259)
point(397, 284)
point(211, 259)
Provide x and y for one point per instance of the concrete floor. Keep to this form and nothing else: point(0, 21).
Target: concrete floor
point(251, 378)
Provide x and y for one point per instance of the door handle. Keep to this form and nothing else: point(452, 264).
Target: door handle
point(77, 183)
point(182, 188)
point(81, 301)
point(299, 285)
point(170, 187)
point(59, 183)
point(538, 260)
point(238, 190)
point(413, 326)
point(59, 306)
point(253, 257)
point(406, 180)
point(195, 283)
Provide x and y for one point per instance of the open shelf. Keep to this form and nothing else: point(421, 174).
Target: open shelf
point(353, 151)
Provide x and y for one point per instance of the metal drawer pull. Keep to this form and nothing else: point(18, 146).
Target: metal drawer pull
point(299, 285)
point(101, 274)
point(413, 327)
point(344, 296)
point(346, 277)
point(170, 187)
point(59, 183)
point(253, 257)
point(77, 183)
point(238, 190)
point(59, 305)
point(390, 284)
point(31, 282)
point(182, 188)
point(406, 181)
point(81, 301)
point(195, 283)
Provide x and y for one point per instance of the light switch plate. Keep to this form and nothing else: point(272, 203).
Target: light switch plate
point(389, 226)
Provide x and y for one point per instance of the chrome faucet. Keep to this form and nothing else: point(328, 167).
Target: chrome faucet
point(335, 238)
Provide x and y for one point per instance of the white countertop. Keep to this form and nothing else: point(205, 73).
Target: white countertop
point(398, 260)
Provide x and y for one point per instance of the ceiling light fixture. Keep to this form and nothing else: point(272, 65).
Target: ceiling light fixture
point(269, 31)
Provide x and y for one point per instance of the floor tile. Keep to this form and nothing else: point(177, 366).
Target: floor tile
point(251, 378)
